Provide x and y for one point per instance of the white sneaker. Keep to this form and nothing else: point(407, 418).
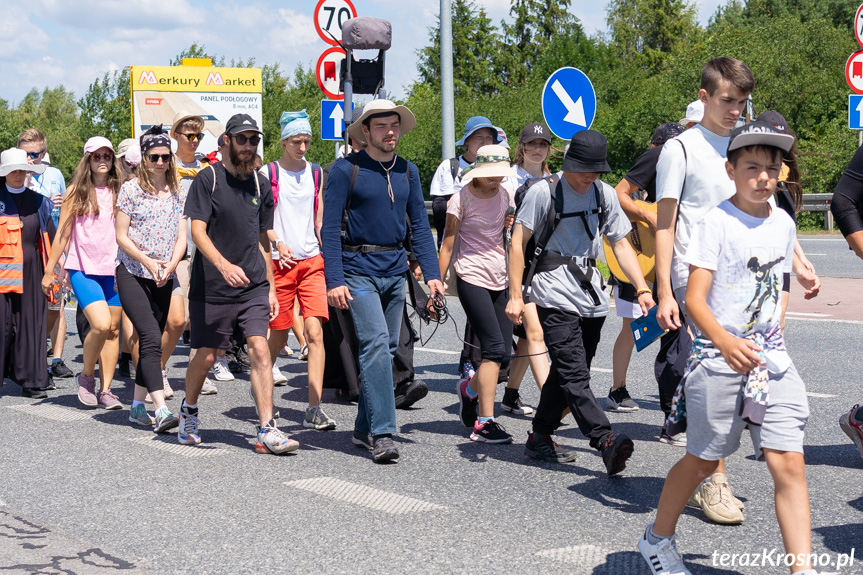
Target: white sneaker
point(279, 378)
point(304, 353)
point(208, 388)
point(169, 393)
point(662, 558)
point(286, 351)
point(221, 371)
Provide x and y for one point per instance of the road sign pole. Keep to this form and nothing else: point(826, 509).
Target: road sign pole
point(446, 81)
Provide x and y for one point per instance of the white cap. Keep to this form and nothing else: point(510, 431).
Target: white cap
point(694, 113)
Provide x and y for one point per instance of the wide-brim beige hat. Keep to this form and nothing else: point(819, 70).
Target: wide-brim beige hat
point(181, 116)
point(407, 121)
point(491, 162)
point(16, 159)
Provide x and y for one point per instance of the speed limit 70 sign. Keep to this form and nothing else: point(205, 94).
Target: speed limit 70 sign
point(330, 15)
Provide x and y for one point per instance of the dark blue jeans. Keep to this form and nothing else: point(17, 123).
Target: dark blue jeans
point(377, 307)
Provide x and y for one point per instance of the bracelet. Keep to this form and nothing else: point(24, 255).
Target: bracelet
point(641, 292)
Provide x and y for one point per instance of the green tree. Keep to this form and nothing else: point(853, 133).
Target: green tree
point(477, 50)
point(106, 108)
point(535, 23)
point(644, 31)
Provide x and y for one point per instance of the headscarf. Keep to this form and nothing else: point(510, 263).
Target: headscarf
point(294, 123)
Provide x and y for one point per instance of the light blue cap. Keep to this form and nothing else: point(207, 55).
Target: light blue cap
point(475, 123)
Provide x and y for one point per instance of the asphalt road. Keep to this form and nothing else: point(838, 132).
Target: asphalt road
point(83, 491)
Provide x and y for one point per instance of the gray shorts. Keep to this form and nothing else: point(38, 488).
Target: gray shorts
point(713, 426)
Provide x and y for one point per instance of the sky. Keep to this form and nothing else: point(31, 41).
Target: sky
point(47, 43)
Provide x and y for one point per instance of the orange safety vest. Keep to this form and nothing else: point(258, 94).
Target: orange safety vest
point(11, 255)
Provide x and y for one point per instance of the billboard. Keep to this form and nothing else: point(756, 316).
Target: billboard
point(215, 94)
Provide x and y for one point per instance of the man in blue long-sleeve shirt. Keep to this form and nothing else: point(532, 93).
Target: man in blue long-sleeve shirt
point(365, 269)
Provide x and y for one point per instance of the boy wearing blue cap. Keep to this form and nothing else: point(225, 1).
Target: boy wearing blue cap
point(298, 266)
point(739, 374)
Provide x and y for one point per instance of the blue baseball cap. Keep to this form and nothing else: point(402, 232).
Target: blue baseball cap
point(475, 123)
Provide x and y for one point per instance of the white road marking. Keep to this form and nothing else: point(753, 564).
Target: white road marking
point(169, 443)
point(589, 559)
point(363, 495)
point(820, 395)
point(852, 321)
point(805, 314)
point(53, 412)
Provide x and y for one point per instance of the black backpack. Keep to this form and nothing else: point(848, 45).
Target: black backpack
point(537, 258)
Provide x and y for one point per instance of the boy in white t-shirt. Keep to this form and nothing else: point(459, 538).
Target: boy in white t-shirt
point(298, 266)
point(739, 375)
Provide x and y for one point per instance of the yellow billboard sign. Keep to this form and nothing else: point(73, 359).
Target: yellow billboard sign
point(195, 79)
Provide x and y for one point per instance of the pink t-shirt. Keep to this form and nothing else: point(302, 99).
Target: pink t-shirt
point(93, 247)
point(481, 258)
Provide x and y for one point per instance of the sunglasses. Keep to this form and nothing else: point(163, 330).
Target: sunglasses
point(194, 137)
point(104, 157)
point(242, 139)
point(154, 158)
point(35, 155)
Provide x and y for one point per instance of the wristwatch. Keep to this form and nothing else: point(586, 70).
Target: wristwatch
point(275, 244)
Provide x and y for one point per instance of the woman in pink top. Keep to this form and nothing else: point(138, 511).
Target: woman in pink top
point(478, 215)
point(87, 234)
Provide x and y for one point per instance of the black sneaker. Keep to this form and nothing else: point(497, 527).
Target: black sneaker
point(678, 440)
point(512, 403)
point(384, 450)
point(59, 369)
point(467, 406)
point(615, 448)
point(619, 400)
point(544, 448)
point(33, 393)
point(241, 356)
point(410, 392)
point(490, 432)
point(362, 440)
point(50, 385)
point(187, 337)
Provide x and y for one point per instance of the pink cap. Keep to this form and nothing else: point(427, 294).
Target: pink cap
point(97, 142)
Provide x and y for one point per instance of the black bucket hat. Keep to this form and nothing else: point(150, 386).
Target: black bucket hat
point(587, 153)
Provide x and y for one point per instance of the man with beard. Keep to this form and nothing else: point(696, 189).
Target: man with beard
point(365, 264)
point(232, 294)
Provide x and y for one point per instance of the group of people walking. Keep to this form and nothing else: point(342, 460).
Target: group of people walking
point(240, 253)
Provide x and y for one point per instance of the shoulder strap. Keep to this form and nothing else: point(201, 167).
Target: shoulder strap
point(316, 175)
point(552, 220)
point(407, 172)
point(454, 168)
point(273, 170)
point(213, 189)
point(355, 170)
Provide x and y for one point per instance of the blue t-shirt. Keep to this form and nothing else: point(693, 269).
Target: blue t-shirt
point(375, 219)
point(49, 182)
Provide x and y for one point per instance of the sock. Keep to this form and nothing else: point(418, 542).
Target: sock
point(470, 393)
point(136, 403)
point(55, 360)
point(534, 436)
point(190, 409)
point(652, 537)
point(163, 409)
point(482, 420)
point(858, 415)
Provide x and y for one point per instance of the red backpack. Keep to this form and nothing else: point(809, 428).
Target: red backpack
point(273, 172)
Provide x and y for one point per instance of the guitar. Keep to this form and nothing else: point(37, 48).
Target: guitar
point(642, 242)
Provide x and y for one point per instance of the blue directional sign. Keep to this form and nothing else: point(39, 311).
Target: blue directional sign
point(568, 102)
point(855, 112)
point(333, 119)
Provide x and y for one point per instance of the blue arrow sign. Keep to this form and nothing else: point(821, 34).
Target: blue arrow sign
point(332, 119)
point(568, 102)
point(855, 112)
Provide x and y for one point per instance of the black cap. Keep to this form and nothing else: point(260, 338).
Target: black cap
point(775, 119)
point(665, 132)
point(587, 153)
point(533, 132)
point(759, 133)
point(242, 123)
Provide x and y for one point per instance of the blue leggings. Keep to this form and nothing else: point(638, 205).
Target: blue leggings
point(92, 288)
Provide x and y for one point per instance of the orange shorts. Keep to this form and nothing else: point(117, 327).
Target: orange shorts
point(306, 282)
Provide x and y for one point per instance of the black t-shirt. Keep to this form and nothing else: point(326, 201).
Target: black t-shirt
point(643, 173)
point(236, 213)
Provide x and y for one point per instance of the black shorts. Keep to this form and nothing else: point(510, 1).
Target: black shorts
point(220, 325)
